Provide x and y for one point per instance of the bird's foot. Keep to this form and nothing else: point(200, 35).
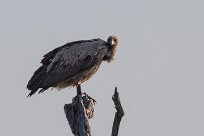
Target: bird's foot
point(85, 97)
point(88, 103)
point(89, 97)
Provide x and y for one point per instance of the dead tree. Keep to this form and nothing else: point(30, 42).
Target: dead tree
point(81, 110)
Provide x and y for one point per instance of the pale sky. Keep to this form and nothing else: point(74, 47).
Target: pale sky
point(158, 69)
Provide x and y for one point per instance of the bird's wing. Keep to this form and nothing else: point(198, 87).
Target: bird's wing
point(70, 60)
point(50, 55)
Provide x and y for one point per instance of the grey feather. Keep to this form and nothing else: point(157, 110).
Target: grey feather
point(71, 64)
point(71, 60)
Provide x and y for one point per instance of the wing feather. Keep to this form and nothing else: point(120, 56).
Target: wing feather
point(66, 61)
point(71, 60)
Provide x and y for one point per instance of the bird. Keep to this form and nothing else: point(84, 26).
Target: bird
point(72, 64)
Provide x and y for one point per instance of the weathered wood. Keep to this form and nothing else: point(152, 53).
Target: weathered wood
point(118, 115)
point(81, 110)
point(78, 112)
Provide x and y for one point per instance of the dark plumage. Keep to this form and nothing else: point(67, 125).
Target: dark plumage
point(71, 64)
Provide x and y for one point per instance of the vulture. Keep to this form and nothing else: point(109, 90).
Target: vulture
point(72, 64)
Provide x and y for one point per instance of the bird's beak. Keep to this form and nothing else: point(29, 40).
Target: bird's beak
point(112, 42)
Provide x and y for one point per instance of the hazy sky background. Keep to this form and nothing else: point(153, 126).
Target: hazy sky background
point(159, 68)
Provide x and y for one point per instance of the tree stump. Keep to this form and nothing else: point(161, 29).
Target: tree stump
point(78, 113)
point(81, 110)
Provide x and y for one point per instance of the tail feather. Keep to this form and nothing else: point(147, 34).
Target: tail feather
point(31, 93)
point(36, 80)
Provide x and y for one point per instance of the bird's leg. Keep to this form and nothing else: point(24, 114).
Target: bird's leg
point(79, 92)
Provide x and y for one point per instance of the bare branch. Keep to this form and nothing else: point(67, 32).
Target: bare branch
point(118, 115)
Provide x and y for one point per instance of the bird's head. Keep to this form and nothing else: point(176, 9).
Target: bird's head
point(112, 41)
